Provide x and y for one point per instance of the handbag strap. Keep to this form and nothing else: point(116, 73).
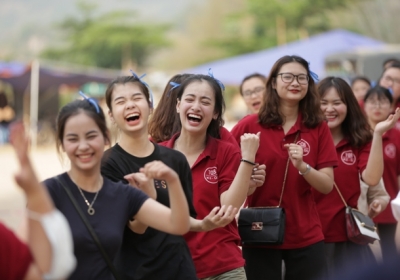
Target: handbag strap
point(286, 171)
point(340, 194)
point(90, 228)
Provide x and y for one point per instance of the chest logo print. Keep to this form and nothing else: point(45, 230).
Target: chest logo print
point(397, 125)
point(390, 150)
point(160, 184)
point(211, 175)
point(348, 157)
point(306, 147)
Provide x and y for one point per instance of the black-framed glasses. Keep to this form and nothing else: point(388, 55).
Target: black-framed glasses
point(256, 90)
point(289, 77)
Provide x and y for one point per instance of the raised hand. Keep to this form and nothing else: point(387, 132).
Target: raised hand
point(219, 217)
point(142, 182)
point(387, 124)
point(249, 144)
point(158, 170)
point(26, 177)
point(295, 154)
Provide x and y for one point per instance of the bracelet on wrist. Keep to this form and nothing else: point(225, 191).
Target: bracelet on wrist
point(247, 161)
point(308, 168)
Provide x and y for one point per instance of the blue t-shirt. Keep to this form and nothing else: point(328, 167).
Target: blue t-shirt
point(115, 204)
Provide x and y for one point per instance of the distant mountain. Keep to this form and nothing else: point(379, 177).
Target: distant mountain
point(25, 26)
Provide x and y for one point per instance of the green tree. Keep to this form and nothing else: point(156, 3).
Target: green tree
point(275, 22)
point(110, 40)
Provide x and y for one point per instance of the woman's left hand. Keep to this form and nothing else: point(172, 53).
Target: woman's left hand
point(375, 208)
point(295, 154)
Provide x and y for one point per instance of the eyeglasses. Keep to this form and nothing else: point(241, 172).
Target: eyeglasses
point(391, 80)
point(378, 104)
point(249, 93)
point(289, 77)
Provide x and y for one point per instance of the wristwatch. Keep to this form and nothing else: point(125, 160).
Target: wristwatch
point(308, 168)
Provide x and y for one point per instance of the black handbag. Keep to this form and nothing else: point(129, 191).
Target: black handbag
point(360, 228)
point(264, 225)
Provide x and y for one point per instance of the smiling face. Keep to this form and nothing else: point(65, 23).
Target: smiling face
point(333, 108)
point(196, 107)
point(253, 91)
point(377, 109)
point(83, 142)
point(130, 109)
point(291, 92)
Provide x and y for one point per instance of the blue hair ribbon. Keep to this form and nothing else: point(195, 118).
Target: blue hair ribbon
point(210, 73)
point(145, 84)
point(313, 74)
point(91, 101)
point(174, 86)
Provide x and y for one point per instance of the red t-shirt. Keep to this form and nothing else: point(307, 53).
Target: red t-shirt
point(331, 209)
point(15, 256)
point(216, 251)
point(391, 158)
point(303, 226)
point(227, 136)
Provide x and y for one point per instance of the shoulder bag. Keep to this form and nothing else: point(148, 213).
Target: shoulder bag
point(264, 225)
point(360, 228)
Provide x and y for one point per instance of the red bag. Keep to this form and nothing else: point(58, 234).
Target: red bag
point(360, 228)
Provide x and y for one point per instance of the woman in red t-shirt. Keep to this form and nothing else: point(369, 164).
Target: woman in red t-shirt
point(290, 110)
point(360, 156)
point(220, 171)
point(377, 107)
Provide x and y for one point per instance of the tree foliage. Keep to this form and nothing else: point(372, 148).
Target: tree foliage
point(271, 19)
point(107, 40)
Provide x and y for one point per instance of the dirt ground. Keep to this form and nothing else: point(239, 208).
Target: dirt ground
point(47, 164)
point(12, 201)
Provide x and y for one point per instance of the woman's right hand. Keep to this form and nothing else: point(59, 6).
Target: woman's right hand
point(249, 144)
point(218, 217)
point(20, 142)
point(140, 181)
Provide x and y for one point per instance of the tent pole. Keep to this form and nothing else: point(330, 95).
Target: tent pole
point(34, 101)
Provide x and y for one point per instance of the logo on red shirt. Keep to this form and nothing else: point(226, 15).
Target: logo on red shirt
point(211, 175)
point(348, 157)
point(397, 125)
point(306, 147)
point(390, 150)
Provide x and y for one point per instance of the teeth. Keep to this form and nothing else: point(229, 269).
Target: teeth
point(194, 116)
point(132, 115)
point(85, 156)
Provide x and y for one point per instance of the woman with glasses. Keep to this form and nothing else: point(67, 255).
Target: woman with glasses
point(360, 156)
point(252, 90)
point(292, 129)
point(377, 107)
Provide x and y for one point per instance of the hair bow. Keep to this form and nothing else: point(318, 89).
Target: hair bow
point(174, 86)
point(210, 73)
point(313, 74)
point(91, 101)
point(146, 84)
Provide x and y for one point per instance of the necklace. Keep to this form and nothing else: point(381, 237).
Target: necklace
point(90, 205)
point(90, 210)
